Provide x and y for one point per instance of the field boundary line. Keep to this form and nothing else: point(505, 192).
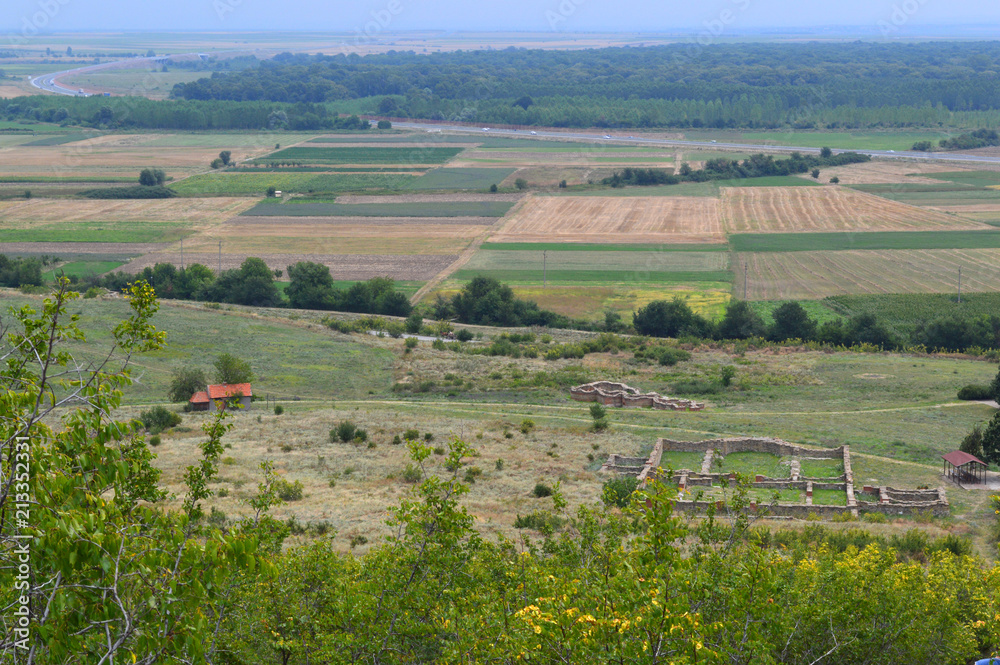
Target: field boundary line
point(468, 252)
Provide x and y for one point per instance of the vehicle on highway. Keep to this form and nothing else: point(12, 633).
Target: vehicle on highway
point(486, 129)
point(607, 136)
point(534, 133)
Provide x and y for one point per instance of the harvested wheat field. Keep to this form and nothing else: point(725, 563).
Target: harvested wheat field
point(342, 266)
point(336, 235)
point(428, 198)
point(614, 219)
point(814, 275)
point(880, 172)
point(805, 209)
point(199, 211)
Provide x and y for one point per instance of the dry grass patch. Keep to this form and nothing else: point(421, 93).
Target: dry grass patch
point(814, 275)
point(614, 219)
point(198, 211)
point(880, 172)
point(805, 209)
point(428, 198)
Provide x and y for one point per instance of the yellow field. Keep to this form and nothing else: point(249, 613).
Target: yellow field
point(882, 172)
point(198, 211)
point(615, 219)
point(814, 275)
point(815, 209)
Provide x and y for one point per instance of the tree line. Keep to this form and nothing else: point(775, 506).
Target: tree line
point(980, 138)
point(755, 166)
point(744, 85)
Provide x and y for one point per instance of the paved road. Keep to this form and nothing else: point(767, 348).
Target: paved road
point(50, 83)
point(631, 140)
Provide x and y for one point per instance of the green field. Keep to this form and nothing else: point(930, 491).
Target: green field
point(682, 189)
point(817, 310)
point(420, 209)
point(843, 140)
point(256, 184)
point(465, 178)
point(365, 155)
point(829, 498)
point(81, 269)
point(931, 195)
point(61, 139)
point(902, 312)
point(591, 247)
point(228, 139)
point(821, 468)
point(322, 169)
point(814, 242)
point(769, 181)
point(97, 232)
point(751, 464)
point(677, 461)
point(972, 178)
point(67, 180)
point(610, 276)
point(558, 262)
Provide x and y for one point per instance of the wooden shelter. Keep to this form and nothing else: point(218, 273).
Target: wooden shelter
point(964, 468)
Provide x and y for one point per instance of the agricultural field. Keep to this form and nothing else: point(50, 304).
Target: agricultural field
point(970, 178)
point(660, 220)
point(814, 242)
point(141, 82)
point(630, 266)
point(460, 178)
point(194, 211)
point(879, 172)
point(107, 232)
point(811, 209)
point(256, 184)
point(872, 140)
point(301, 208)
point(365, 155)
point(815, 275)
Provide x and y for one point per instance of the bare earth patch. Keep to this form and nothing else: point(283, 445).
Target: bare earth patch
point(614, 219)
point(64, 248)
point(824, 209)
point(814, 275)
point(414, 267)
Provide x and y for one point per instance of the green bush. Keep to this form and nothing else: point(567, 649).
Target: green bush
point(344, 432)
point(463, 335)
point(541, 491)
point(412, 474)
point(287, 491)
point(472, 473)
point(411, 434)
point(278, 409)
point(158, 419)
point(527, 425)
point(154, 440)
point(618, 491)
point(975, 392)
point(411, 342)
point(541, 521)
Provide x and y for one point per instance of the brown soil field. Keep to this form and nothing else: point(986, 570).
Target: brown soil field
point(200, 211)
point(11, 91)
point(614, 219)
point(116, 151)
point(323, 225)
point(805, 209)
point(880, 172)
point(814, 275)
point(342, 266)
point(552, 175)
point(64, 248)
point(427, 198)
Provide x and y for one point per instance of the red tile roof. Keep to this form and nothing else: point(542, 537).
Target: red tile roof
point(200, 397)
point(958, 458)
point(230, 390)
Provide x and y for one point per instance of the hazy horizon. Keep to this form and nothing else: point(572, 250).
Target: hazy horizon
point(717, 18)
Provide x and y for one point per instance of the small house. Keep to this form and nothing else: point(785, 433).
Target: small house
point(225, 395)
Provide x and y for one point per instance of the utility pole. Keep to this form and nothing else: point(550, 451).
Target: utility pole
point(182, 254)
point(220, 260)
point(960, 285)
point(544, 266)
point(746, 270)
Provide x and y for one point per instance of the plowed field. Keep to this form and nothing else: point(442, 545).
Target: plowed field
point(808, 275)
point(805, 209)
point(589, 219)
point(199, 211)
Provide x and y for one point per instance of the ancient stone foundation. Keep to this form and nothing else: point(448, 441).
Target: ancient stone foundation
point(609, 393)
point(891, 501)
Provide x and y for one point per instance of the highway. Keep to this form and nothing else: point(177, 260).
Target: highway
point(48, 82)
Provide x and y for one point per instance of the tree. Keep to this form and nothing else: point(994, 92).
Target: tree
point(230, 369)
point(96, 512)
point(865, 329)
point(662, 318)
point(991, 441)
point(834, 180)
point(825, 153)
point(973, 442)
point(271, 192)
point(791, 322)
point(815, 174)
point(185, 382)
point(216, 163)
point(226, 157)
point(152, 177)
point(521, 183)
point(740, 322)
point(384, 124)
point(311, 286)
point(524, 102)
point(995, 387)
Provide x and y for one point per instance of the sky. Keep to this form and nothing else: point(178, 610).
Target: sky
point(886, 18)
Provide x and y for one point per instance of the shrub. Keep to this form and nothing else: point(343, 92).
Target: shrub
point(439, 450)
point(975, 392)
point(396, 440)
point(541, 521)
point(428, 437)
point(345, 432)
point(498, 465)
point(411, 342)
point(618, 491)
point(728, 372)
point(360, 435)
point(472, 473)
point(412, 474)
point(154, 440)
point(541, 491)
point(92, 292)
point(411, 435)
point(463, 335)
point(278, 409)
point(158, 419)
point(527, 425)
point(287, 491)
point(874, 518)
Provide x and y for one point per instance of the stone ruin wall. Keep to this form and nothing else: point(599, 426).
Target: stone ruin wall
point(621, 395)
